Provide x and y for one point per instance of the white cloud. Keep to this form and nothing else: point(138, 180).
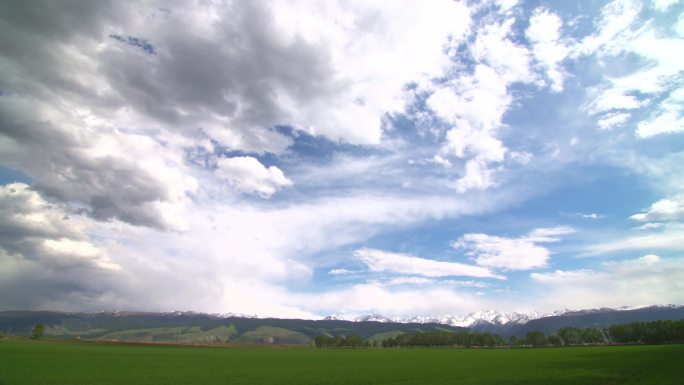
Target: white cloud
point(129, 138)
point(583, 215)
point(477, 176)
point(650, 85)
point(649, 226)
point(441, 160)
point(383, 261)
point(463, 141)
point(663, 5)
point(339, 271)
point(107, 125)
point(377, 299)
point(668, 237)
point(609, 121)
point(248, 175)
point(642, 281)
point(549, 234)
point(616, 17)
point(48, 260)
point(671, 209)
point(494, 48)
point(474, 103)
point(664, 123)
point(544, 33)
point(36, 229)
point(395, 281)
point(506, 5)
point(423, 281)
point(610, 99)
point(369, 52)
point(114, 174)
point(668, 118)
point(522, 253)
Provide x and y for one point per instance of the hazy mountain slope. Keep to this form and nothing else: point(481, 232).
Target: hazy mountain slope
point(595, 318)
point(207, 328)
point(188, 326)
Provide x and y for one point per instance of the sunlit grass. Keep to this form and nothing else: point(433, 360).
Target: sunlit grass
point(80, 363)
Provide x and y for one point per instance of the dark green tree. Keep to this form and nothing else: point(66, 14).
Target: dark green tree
point(535, 338)
point(570, 336)
point(38, 331)
point(554, 340)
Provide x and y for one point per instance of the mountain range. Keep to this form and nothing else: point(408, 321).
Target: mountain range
point(519, 323)
point(189, 327)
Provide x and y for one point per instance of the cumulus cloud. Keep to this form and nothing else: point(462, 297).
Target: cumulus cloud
point(134, 128)
point(663, 5)
point(619, 34)
point(477, 176)
point(355, 56)
point(616, 17)
point(474, 103)
point(521, 253)
point(248, 175)
point(35, 229)
point(670, 209)
point(668, 117)
point(609, 121)
point(383, 261)
point(112, 174)
point(46, 256)
point(108, 123)
point(545, 34)
point(642, 281)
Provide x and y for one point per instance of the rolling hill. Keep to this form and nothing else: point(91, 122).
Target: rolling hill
point(188, 327)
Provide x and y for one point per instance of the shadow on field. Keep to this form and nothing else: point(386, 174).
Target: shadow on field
point(573, 380)
point(610, 366)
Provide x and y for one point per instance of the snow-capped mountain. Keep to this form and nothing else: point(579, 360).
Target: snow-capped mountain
point(489, 319)
point(493, 317)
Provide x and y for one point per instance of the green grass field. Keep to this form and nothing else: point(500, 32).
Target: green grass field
point(81, 363)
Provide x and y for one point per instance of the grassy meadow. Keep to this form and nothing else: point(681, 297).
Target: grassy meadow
point(45, 362)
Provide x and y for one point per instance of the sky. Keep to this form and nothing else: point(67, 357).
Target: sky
point(309, 158)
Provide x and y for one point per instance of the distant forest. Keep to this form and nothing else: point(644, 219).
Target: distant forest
point(656, 332)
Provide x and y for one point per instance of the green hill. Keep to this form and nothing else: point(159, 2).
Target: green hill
point(274, 335)
point(196, 328)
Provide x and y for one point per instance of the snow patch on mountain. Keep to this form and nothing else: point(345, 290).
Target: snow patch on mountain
point(487, 317)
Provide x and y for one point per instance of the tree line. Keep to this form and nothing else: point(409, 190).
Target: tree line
point(656, 332)
point(352, 341)
point(637, 332)
point(445, 339)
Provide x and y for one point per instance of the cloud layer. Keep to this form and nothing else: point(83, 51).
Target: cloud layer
point(297, 158)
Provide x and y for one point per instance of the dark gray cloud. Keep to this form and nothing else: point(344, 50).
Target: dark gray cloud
point(68, 87)
point(83, 83)
point(36, 229)
point(46, 257)
point(107, 185)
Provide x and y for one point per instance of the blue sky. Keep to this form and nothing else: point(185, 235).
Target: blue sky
point(299, 160)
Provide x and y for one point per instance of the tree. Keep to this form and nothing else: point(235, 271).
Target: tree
point(38, 331)
point(554, 340)
point(535, 338)
point(570, 336)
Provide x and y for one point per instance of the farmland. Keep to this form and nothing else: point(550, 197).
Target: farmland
point(24, 361)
